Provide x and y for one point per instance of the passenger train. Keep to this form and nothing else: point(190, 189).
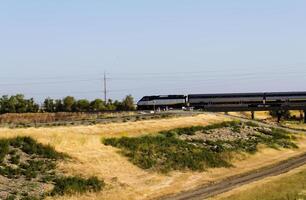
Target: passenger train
point(228, 100)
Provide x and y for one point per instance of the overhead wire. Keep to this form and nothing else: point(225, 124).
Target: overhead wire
point(175, 80)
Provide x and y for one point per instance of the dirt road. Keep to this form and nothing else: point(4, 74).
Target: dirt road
point(234, 182)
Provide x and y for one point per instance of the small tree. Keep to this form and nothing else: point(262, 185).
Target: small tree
point(59, 107)
point(31, 106)
point(69, 103)
point(110, 105)
point(82, 105)
point(128, 103)
point(6, 105)
point(285, 114)
point(49, 105)
point(97, 105)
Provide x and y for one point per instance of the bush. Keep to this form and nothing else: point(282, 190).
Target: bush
point(285, 114)
point(30, 146)
point(76, 185)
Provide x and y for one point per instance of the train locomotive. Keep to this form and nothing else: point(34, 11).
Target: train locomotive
point(226, 101)
point(162, 102)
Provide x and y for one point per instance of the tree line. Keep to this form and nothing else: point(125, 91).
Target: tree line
point(19, 104)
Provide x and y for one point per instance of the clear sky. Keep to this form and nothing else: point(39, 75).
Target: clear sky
point(62, 47)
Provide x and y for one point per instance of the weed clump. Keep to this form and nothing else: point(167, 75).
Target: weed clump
point(76, 185)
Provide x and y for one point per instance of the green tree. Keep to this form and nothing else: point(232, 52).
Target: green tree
point(5, 107)
point(82, 105)
point(110, 105)
point(17, 104)
point(31, 106)
point(97, 105)
point(49, 105)
point(128, 103)
point(59, 107)
point(285, 114)
point(69, 103)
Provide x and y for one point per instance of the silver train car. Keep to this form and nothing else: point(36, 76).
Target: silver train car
point(225, 101)
point(285, 98)
point(162, 102)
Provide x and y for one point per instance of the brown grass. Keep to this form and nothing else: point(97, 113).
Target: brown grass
point(294, 125)
point(55, 117)
point(259, 115)
point(124, 180)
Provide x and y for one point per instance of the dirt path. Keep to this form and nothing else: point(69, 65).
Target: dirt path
point(234, 182)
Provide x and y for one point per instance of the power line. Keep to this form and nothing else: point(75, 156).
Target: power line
point(105, 97)
point(48, 82)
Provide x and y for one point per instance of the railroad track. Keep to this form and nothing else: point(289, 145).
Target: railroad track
point(237, 181)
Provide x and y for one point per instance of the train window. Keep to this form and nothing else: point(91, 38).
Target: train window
point(145, 99)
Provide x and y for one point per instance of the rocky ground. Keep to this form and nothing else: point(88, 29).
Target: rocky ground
point(242, 132)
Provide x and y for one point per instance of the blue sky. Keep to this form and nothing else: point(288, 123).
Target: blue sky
point(62, 47)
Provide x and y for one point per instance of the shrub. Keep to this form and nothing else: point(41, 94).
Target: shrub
point(166, 153)
point(76, 185)
point(30, 146)
point(4, 149)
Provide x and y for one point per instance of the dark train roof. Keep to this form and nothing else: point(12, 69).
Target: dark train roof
point(285, 94)
point(225, 95)
point(148, 98)
point(269, 94)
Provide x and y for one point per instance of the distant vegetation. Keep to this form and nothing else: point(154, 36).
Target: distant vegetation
point(170, 151)
point(27, 167)
point(19, 104)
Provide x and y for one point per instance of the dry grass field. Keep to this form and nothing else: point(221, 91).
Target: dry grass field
point(294, 125)
point(263, 115)
point(126, 181)
point(260, 115)
point(61, 116)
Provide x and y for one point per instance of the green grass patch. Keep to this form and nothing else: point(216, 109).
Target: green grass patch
point(76, 185)
point(166, 151)
point(252, 124)
point(234, 125)
point(31, 147)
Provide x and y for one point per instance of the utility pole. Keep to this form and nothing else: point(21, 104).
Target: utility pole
point(105, 92)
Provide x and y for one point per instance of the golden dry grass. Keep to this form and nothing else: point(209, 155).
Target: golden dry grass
point(61, 116)
point(294, 125)
point(125, 180)
point(259, 115)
